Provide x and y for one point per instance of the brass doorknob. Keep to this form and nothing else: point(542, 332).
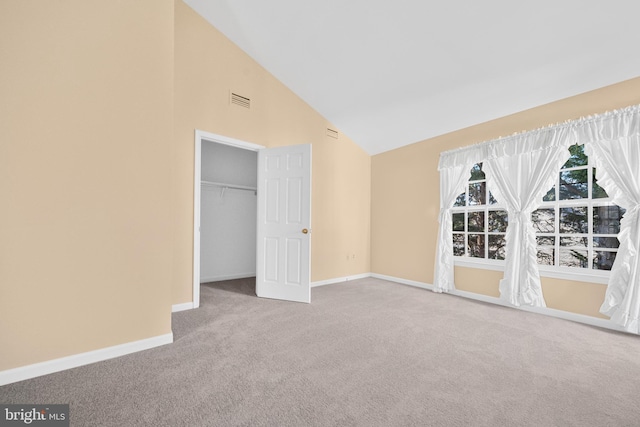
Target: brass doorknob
point(305, 231)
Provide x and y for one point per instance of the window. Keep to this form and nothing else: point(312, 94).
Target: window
point(577, 225)
point(479, 221)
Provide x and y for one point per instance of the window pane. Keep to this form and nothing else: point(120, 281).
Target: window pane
point(460, 200)
point(476, 221)
point(573, 220)
point(606, 219)
point(550, 196)
point(476, 245)
point(573, 241)
point(573, 184)
point(544, 220)
point(545, 240)
point(496, 246)
point(458, 244)
point(597, 191)
point(603, 260)
point(545, 256)
point(498, 221)
point(477, 193)
point(606, 242)
point(573, 258)
point(492, 200)
point(458, 221)
point(476, 172)
point(578, 158)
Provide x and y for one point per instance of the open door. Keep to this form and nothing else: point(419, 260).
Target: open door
point(284, 223)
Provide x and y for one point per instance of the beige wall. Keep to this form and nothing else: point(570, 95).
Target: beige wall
point(405, 200)
point(207, 67)
point(86, 113)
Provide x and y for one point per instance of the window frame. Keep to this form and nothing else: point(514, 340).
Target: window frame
point(564, 272)
point(485, 208)
point(556, 271)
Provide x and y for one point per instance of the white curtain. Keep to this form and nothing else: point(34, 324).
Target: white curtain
point(612, 142)
point(452, 183)
point(519, 170)
point(519, 175)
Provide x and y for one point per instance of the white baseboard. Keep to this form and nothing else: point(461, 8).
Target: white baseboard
point(182, 307)
point(403, 281)
point(575, 317)
point(43, 368)
point(226, 277)
point(560, 314)
point(566, 315)
point(339, 279)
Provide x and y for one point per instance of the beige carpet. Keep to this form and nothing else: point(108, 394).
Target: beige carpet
point(364, 353)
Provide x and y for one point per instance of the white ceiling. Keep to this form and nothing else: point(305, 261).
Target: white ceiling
point(389, 73)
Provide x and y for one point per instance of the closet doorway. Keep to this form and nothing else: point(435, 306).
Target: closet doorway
point(252, 216)
point(225, 210)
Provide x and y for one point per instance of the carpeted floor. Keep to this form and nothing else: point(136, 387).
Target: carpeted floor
point(364, 353)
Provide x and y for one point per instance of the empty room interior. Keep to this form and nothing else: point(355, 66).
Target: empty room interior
point(465, 239)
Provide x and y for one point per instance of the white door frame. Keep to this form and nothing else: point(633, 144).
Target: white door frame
point(197, 177)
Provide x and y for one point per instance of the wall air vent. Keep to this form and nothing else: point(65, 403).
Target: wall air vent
point(332, 133)
point(240, 100)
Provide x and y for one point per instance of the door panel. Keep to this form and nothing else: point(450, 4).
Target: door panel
point(284, 218)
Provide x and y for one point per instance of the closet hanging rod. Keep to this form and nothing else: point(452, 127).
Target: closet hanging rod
point(232, 186)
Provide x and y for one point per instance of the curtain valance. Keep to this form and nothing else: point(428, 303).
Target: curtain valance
point(608, 126)
point(527, 142)
point(602, 127)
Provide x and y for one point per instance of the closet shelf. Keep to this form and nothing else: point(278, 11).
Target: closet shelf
point(227, 186)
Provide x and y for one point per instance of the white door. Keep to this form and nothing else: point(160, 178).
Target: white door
point(284, 223)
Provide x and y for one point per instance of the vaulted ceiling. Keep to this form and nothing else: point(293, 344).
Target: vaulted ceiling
point(391, 73)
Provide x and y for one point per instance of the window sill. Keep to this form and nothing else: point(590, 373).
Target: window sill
point(566, 273)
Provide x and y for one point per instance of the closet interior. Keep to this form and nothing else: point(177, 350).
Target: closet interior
point(228, 212)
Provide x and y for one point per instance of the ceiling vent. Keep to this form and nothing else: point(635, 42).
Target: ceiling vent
point(332, 133)
point(240, 100)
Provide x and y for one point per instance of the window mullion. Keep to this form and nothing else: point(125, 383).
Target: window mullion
point(486, 227)
point(556, 220)
point(466, 233)
point(590, 252)
point(466, 221)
